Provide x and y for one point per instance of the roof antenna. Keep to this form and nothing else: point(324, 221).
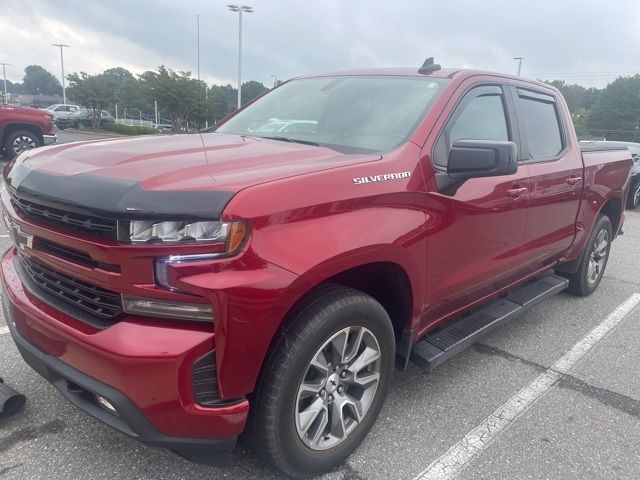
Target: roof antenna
point(429, 67)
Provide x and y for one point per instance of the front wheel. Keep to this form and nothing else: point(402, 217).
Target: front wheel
point(324, 383)
point(594, 260)
point(19, 142)
point(633, 200)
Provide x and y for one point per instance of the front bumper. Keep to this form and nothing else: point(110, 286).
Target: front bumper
point(49, 139)
point(143, 370)
point(82, 391)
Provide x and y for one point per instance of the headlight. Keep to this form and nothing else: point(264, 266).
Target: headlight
point(145, 231)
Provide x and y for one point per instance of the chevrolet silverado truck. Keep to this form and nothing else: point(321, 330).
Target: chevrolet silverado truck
point(189, 289)
point(23, 128)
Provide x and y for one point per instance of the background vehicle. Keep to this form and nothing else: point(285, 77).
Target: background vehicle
point(60, 110)
point(199, 287)
point(83, 118)
point(633, 197)
point(23, 129)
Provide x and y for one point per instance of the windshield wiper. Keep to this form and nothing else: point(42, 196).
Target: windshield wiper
point(292, 140)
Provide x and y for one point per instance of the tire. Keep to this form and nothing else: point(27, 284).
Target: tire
point(585, 281)
point(280, 429)
point(18, 142)
point(633, 199)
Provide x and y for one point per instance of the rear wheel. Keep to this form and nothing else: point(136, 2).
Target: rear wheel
point(324, 384)
point(20, 141)
point(633, 200)
point(594, 260)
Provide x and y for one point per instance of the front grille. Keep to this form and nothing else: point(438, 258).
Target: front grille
point(73, 255)
point(204, 377)
point(102, 303)
point(100, 226)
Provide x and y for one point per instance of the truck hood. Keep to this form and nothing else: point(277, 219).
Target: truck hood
point(172, 175)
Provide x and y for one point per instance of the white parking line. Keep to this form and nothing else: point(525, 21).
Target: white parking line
point(4, 330)
point(4, 236)
point(449, 465)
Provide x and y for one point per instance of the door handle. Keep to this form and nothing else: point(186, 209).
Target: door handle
point(516, 192)
point(573, 180)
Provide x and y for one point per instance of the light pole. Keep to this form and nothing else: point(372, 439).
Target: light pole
point(240, 8)
point(61, 46)
point(519, 63)
point(4, 77)
point(198, 29)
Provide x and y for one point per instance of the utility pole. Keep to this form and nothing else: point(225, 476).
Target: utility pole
point(4, 77)
point(155, 104)
point(61, 46)
point(198, 29)
point(239, 9)
point(519, 63)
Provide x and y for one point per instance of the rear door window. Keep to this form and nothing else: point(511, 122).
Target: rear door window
point(540, 125)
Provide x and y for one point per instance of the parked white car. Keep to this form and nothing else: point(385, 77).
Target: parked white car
point(62, 110)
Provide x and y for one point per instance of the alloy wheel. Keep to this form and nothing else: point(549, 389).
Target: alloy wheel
point(598, 257)
point(338, 388)
point(23, 143)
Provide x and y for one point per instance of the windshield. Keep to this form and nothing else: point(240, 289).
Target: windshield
point(370, 113)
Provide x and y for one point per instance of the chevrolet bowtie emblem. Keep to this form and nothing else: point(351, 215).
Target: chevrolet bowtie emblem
point(22, 239)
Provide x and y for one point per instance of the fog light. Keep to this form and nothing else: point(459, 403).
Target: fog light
point(152, 307)
point(107, 405)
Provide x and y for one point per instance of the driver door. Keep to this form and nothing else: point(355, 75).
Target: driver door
point(475, 235)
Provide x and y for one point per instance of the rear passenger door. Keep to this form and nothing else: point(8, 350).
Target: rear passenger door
point(555, 176)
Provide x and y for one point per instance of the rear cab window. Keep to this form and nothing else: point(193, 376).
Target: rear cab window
point(540, 125)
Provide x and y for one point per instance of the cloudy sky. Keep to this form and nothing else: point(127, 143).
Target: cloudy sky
point(586, 41)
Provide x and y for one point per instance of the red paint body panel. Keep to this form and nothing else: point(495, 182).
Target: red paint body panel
point(19, 117)
point(308, 221)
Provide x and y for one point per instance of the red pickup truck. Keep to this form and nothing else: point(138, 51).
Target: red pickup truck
point(249, 280)
point(24, 128)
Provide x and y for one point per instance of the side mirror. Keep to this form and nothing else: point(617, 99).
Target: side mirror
point(481, 158)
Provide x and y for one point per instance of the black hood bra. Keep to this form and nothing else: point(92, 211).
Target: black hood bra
point(113, 197)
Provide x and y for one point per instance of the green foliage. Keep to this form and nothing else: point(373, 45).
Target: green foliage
point(616, 113)
point(251, 90)
point(129, 129)
point(37, 80)
point(175, 92)
point(91, 91)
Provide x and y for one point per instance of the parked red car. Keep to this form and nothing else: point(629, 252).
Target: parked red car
point(23, 128)
point(188, 289)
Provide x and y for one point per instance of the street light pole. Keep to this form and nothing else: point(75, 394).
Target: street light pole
point(4, 77)
point(240, 8)
point(519, 63)
point(198, 28)
point(61, 46)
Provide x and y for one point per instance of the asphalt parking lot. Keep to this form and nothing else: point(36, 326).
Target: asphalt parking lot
point(584, 426)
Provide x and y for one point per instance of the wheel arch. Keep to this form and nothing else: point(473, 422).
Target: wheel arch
point(13, 127)
point(386, 281)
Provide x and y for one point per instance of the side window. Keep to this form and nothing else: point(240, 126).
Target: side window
point(482, 119)
point(480, 116)
point(540, 125)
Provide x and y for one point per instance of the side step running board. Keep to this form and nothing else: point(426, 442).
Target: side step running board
point(464, 331)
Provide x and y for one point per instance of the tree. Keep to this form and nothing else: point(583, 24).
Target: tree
point(91, 91)
point(579, 100)
point(37, 80)
point(175, 92)
point(616, 113)
point(251, 90)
